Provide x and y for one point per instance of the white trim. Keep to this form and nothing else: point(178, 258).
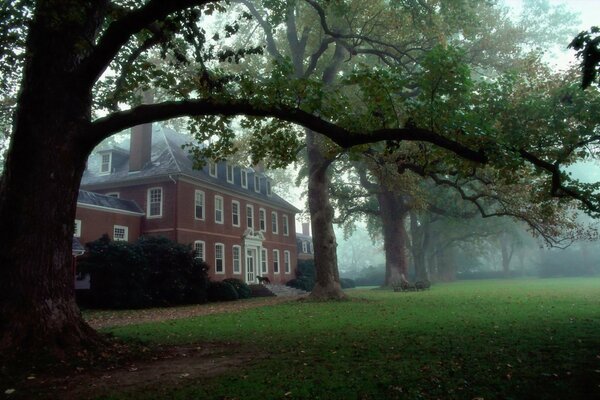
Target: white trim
point(125, 233)
point(116, 195)
point(276, 260)
point(222, 258)
point(77, 228)
point(108, 171)
point(287, 262)
point(304, 247)
point(148, 205)
point(229, 167)
point(251, 207)
point(262, 222)
point(286, 225)
point(203, 205)
point(269, 189)
point(274, 222)
point(222, 210)
point(256, 183)
point(244, 178)
point(213, 166)
point(239, 259)
point(109, 209)
point(196, 243)
point(235, 202)
point(264, 261)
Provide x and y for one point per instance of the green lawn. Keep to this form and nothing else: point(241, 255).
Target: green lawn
point(514, 339)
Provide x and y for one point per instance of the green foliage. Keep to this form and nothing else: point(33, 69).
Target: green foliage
point(516, 339)
point(153, 271)
point(347, 283)
point(240, 287)
point(222, 291)
point(587, 45)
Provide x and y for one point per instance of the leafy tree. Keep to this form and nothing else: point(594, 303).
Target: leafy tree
point(587, 44)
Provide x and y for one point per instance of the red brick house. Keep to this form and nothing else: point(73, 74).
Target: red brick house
point(228, 213)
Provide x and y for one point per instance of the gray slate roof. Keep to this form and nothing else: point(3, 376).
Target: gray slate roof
point(100, 200)
point(168, 158)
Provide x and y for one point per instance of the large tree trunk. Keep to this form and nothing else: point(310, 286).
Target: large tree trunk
point(506, 249)
point(420, 239)
point(38, 198)
point(327, 285)
point(392, 214)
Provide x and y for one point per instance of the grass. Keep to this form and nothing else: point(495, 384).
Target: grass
point(512, 339)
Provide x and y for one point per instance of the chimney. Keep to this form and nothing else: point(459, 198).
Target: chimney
point(140, 141)
point(306, 228)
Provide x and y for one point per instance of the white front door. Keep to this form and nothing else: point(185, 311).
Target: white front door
point(250, 265)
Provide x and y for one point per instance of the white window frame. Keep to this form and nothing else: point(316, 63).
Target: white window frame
point(233, 214)
point(286, 225)
point(250, 215)
point(244, 178)
point(201, 194)
point(262, 220)
point(237, 261)
point(108, 165)
point(304, 247)
point(219, 211)
point(274, 222)
point(212, 169)
point(229, 172)
point(276, 266)
point(222, 247)
point(264, 261)
point(287, 262)
point(77, 228)
point(256, 183)
point(116, 195)
point(269, 190)
point(199, 244)
point(149, 204)
point(125, 233)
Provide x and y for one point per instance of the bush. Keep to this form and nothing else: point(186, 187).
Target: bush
point(242, 289)
point(347, 283)
point(153, 271)
point(300, 283)
point(221, 291)
point(305, 276)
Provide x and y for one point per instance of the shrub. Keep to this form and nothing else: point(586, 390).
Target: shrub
point(301, 283)
point(305, 276)
point(242, 289)
point(347, 283)
point(221, 291)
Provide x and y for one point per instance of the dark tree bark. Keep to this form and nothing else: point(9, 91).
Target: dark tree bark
point(393, 213)
point(419, 244)
point(507, 251)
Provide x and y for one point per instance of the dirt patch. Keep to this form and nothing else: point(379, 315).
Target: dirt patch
point(164, 368)
point(106, 319)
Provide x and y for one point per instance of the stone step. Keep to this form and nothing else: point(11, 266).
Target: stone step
point(283, 290)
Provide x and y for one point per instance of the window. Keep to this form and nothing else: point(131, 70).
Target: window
point(268, 187)
point(235, 213)
point(310, 248)
point(286, 262)
point(264, 262)
point(77, 228)
point(244, 178)
point(262, 219)
point(229, 173)
point(199, 249)
point(274, 222)
point(113, 194)
point(120, 233)
point(276, 261)
point(256, 183)
point(199, 204)
point(304, 247)
point(219, 258)
point(105, 163)
point(218, 209)
point(212, 169)
point(155, 202)
point(237, 267)
point(286, 228)
point(250, 216)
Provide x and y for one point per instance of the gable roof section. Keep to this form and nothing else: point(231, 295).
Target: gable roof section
point(100, 201)
point(169, 158)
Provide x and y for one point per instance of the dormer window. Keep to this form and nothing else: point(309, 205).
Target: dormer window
point(105, 163)
point(256, 183)
point(212, 169)
point(229, 173)
point(244, 178)
point(268, 187)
